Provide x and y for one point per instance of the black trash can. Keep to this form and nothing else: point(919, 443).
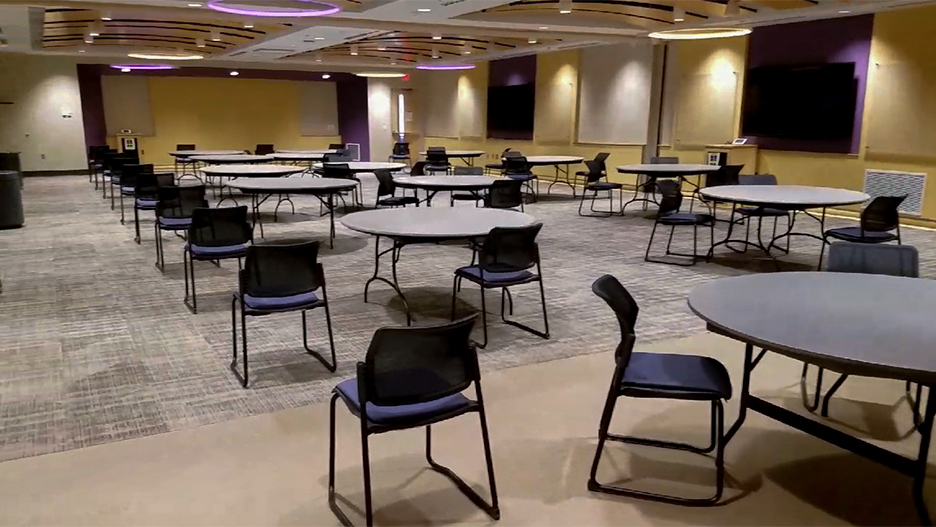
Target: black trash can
point(11, 200)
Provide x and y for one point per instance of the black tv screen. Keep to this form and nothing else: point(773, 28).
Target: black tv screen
point(510, 112)
point(800, 102)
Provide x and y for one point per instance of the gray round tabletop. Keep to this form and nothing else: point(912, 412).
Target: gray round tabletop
point(225, 159)
point(434, 223)
point(367, 166)
point(251, 170)
point(460, 153)
point(298, 156)
point(554, 160)
point(190, 153)
point(869, 325)
point(680, 169)
point(318, 152)
point(295, 185)
point(445, 182)
point(784, 196)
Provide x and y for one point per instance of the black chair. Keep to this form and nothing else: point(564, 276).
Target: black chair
point(749, 213)
point(594, 184)
point(174, 210)
point(387, 187)
point(129, 175)
point(146, 196)
point(600, 158)
point(497, 167)
point(337, 146)
point(95, 158)
point(263, 150)
point(187, 146)
point(879, 223)
point(504, 260)
point(669, 215)
point(726, 175)
point(401, 152)
point(467, 196)
point(505, 194)
point(517, 167)
point(418, 169)
point(850, 257)
point(437, 160)
point(215, 235)
point(410, 378)
point(280, 279)
point(113, 170)
point(658, 376)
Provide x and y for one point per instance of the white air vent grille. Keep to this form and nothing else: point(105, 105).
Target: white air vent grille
point(891, 183)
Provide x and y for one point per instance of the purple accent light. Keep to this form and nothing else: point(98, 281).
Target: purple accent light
point(327, 9)
point(142, 67)
point(443, 67)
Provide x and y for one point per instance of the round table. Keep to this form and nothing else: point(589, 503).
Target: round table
point(824, 319)
point(299, 157)
point(190, 153)
point(435, 184)
point(310, 152)
point(467, 156)
point(782, 197)
point(365, 166)
point(229, 159)
point(322, 188)
point(255, 171)
point(655, 171)
point(561, 164)
point(405, 226)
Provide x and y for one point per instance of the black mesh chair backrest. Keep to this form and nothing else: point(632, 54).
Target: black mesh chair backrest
point(672, 197)
point(185, 147)
point(512, 153)
point(180, 202)
point(881, 214)
point(281, 270)
point(469, 171)
point(336, 170)
point(726, 175)
point(220, 227)
point(505, 194)
point(601, 158)
point(166, 179)
point(625, 308)
point(263, 150)
point(130, 173)
point(401, 149)
point(419, 169)
point(410, 365)
point(866, 258)
point(95, 153)
point(595, 171)
point(336, 146)
point(385, 184)
point(435, 155)
point(332, 158)
point(757, 179)
point(664, 160)
point(147, 186)
point(510, 249)
point(516, 165)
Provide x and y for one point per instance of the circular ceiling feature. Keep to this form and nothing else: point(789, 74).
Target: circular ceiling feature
point(275, 8)
point(160, 55)
point(143, 67)
point(445, 67)
point(700, 33)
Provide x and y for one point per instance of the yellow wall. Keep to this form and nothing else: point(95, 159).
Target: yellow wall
point(224, 113)
point(555, 120)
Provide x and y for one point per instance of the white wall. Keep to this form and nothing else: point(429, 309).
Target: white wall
point(42, 90)
point(615, 93)
point(379, 118)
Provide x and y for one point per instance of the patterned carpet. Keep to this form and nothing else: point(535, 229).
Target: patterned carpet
point(96, 345)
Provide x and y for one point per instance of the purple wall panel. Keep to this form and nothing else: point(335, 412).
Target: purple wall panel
point(352, 97)
point(513, 72)
point(817, 42)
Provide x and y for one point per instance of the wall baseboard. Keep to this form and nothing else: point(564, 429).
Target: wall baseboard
point(45, 173)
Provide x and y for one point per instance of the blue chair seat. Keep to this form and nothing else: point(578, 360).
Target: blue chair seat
point(473, 273)
point(403, 414)
point(169, 223)
point(146, 203)
point(277, 303)
point(853, 234)
point(396, 201)
point(686, 218)
point(128, 191)
point(522, 177)
point(603, 186)
point(224, 251)
point(676, 376)
point(761, 212)
point(399, 156)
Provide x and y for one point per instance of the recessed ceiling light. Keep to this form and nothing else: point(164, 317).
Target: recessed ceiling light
point(216, 36)
point(319, 38)
point(466, 52)
point(679, 14)
point(235, 73)
point(125, 70)
point(436, 37)
point(382, 48)
point(424, 10)
point(844, 12)
point(81, 51)
point(193, 4)
point(380, 75)
point(248, 25)
point(106, 17)
point(393, 63)
point(326, 76)
point(700, 33)
point(354, 50)
point(544, 27)
point(200, 42)
point(531, 41)
point(565, 7)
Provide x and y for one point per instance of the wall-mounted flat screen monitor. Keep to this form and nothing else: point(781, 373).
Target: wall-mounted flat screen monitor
point(510, 112)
